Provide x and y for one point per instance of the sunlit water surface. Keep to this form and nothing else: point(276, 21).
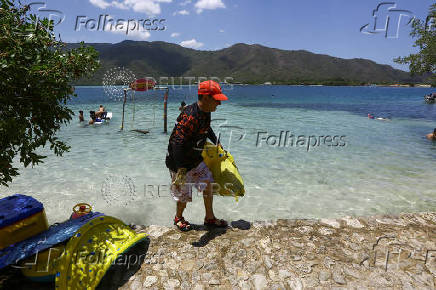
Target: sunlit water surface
point(385, 167)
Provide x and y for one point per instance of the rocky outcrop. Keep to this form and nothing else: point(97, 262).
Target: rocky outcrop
point(374, 252)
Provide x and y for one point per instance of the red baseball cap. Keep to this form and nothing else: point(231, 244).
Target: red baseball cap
point(211, 88)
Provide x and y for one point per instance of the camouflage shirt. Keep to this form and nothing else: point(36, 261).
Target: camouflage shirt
point(188, 138)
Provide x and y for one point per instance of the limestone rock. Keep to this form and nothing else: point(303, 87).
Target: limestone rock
point(172, 283)
point(323, 275)
point(325, 231)
point(149, 281)
point(339, 278)
point(259, 282)
point(331, 222)
point(295, 283)
point(157, 231)
point(198, 287)
point(353, 222)
point(175, 236)
point(283, 274)
point(267, 262)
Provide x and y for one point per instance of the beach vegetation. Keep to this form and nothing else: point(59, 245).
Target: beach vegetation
point(424, 61)
point(36, 72)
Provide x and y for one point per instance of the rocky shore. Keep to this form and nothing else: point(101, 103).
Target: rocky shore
point(373, 252)
point(365, 252)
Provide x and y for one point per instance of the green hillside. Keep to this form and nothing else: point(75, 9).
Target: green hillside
point(244, 63)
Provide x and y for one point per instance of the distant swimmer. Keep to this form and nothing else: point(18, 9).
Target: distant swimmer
point(99, 112)
point(81, 118)
point(432, 136)
point(378, 118)
point(92, 115)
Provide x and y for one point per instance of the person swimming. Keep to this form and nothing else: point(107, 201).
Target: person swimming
point(432, 136)
point(370, 116)
point(81, 118)
point(93, 117)
point(99, 112)
point(383, 119)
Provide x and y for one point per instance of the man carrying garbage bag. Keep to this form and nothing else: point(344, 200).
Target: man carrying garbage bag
point(184, 158)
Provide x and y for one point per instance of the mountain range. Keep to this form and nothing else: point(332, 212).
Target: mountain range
point(242, 63)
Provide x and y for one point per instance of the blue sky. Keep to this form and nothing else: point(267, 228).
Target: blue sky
point(329, 27)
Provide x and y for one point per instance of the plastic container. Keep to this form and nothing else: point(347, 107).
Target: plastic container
point(21, 217)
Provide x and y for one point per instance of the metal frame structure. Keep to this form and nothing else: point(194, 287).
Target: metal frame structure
point(165, 105)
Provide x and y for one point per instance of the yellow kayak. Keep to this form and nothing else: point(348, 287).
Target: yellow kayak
point(92, 250)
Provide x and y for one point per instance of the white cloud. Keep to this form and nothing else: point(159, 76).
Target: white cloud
point(100, 3)
point(184, 3)
point(119, 5)
point(175, 34)
point(209, 5)
point(150, 7)
point(221, 30)
point(181, 12)
point(138, 35)
point(193, 43)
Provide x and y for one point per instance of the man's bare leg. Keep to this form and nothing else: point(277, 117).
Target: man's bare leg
point(180, 208)
point(208, 201)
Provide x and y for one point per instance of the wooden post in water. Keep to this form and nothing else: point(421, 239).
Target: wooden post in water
point(133, 97)
point(165, 109)
point(124, 104)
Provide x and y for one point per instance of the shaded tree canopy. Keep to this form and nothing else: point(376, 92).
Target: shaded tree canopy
point(36, 71)
point(425, 60)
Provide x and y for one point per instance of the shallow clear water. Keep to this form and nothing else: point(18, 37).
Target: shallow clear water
point(383, 167)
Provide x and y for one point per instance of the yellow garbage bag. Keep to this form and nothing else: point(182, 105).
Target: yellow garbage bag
point(224, 170)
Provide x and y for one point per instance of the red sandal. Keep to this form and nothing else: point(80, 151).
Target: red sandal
point(219, 223)
point(181, 224)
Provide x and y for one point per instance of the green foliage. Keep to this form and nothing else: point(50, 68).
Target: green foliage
point(35, 76)
point(425, 60)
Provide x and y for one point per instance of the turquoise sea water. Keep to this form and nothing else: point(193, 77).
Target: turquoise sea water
point(382, 167)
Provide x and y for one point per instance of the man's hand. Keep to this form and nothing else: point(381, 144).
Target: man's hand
point(180, 178)
point(221, 146)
